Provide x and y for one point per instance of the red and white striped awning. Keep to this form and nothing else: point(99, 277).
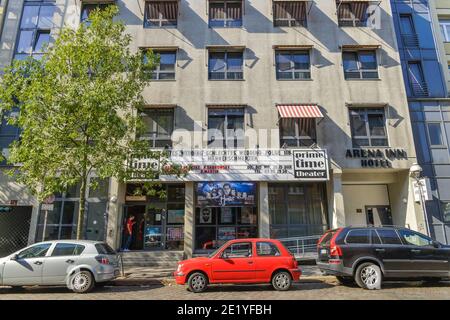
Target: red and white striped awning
point(299, 111)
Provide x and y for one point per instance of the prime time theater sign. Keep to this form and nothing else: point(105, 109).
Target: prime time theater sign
point(251, 164)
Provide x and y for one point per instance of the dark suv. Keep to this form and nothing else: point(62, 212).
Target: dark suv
point(366, 255)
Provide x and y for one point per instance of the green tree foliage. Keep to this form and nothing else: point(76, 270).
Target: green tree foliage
point(79, 110)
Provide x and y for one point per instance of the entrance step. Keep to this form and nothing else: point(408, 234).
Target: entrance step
point(156, 259)
point(136, 273)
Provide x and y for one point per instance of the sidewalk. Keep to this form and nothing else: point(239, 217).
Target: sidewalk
point(142, 276)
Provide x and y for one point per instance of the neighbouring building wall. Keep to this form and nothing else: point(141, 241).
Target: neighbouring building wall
point(421, 43)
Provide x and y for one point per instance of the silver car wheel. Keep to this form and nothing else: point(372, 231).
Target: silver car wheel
point(81, 281)
point(198, 282)
point(369, 276)
point(282, 281)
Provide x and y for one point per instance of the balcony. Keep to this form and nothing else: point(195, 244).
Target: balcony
point(352, 22)
point(419, 89)
point(410, 40)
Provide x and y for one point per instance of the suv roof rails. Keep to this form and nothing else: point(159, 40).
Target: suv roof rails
point(380, 226)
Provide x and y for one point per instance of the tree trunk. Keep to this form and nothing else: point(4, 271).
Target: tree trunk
point(81, 208)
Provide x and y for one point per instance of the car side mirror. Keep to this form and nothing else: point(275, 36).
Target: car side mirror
point(225, 255)
point(15, 257)
point(436, 244)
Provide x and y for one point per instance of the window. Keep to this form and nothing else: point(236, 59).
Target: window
point(217, 225)
point(408, 32)
point(358, 237)
point(445, 208)
point(225, 13)
point(417, 79)
point(67, 249)
point(293, 65)
point(226, 65)
point(87, 9)
point(226, 128)
point(435, 134)
point(415, 239)
point(61, 223)
point(297, 132)
point(37, 251)
point(158, 127)
point(267, 249)
point(238, 250)
point(360, 65)
point(352, 14)
point(297, 210)
point(389, 236)
point(35, 27)
point(445, 29)
point(165, 70)
point(368, 127)
point(8, 133)
point(289, 13)
point(159, 14)
point(375, 238)
point(103, 248)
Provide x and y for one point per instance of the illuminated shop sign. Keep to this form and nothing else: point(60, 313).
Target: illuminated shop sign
point(248, 164)
point(377, 158)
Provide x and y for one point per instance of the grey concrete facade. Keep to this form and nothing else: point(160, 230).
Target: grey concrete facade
point(191, 93)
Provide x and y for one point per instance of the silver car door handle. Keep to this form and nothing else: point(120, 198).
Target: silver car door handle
point(70, 261)
point(38, 263)
point(415, 250)
point(380, 250)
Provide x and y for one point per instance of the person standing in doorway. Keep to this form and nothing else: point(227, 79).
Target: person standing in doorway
point(129, 232)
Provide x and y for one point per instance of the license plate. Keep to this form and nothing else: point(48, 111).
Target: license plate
point(323, 251)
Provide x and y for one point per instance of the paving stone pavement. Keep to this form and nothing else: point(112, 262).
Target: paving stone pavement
point(324, 289)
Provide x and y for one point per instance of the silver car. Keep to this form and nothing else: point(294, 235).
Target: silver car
point(80, 265)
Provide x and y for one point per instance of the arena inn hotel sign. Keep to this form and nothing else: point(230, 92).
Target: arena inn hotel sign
point(247, 164)
point(376, 158)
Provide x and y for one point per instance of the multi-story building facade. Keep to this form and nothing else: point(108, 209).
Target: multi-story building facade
point(292, 115)
point(440, 11)
point(425, 73)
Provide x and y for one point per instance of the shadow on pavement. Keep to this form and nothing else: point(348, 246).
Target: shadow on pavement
point(298, 286)
point(414, 284)
point(64, 290)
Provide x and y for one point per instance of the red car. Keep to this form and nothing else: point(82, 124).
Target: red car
point(241, 261)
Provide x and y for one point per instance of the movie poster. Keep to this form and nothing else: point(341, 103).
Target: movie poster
point(205, 216)
point(223, 194)
point(175, 216)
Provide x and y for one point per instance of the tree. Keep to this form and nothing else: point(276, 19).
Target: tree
point(79, 110)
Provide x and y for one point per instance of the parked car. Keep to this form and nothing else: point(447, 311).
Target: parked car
point(241, 261)
point(369, 255)
point(80, 265)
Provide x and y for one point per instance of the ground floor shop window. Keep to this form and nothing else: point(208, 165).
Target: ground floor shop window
point(156, 223)
point(224, 211)
point(297, 210)
point(62, 221)
point(215, 226)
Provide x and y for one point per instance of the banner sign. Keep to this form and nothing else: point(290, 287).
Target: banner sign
point(248, 164)
point(223, 194)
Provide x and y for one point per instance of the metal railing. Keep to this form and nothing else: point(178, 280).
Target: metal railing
point(410, 40)
point(302, 247)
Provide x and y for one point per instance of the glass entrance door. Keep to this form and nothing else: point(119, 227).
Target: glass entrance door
point(379, 216)
point(155, 223)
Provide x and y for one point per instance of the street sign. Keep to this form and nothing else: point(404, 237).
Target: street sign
point(425, 187)
point(49, 199)
point(47, 207)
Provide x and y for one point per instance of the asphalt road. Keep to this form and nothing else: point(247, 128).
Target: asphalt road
point(304, 290)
